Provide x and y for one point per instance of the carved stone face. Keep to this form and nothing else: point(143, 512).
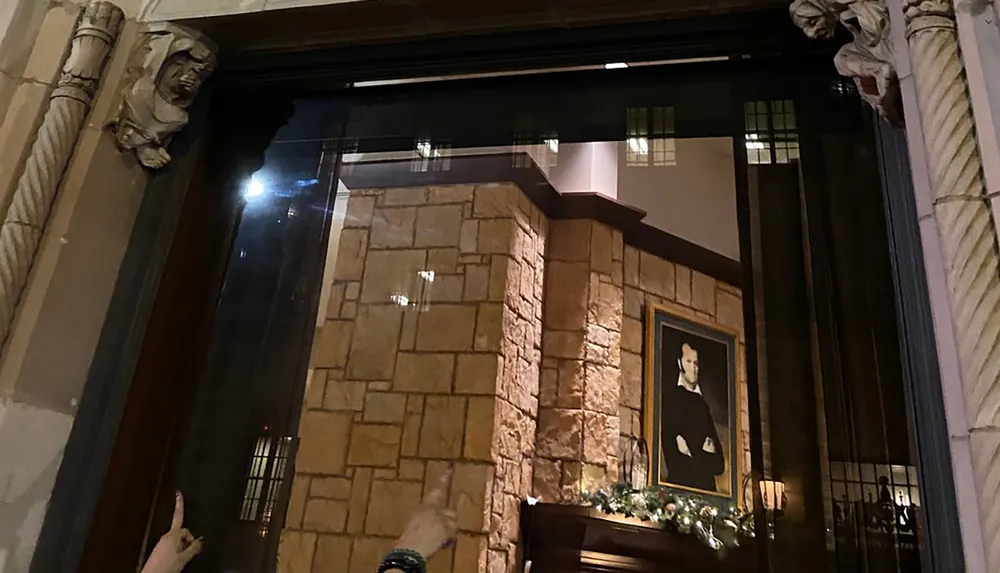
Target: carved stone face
point(184, 72)
point(815, 19)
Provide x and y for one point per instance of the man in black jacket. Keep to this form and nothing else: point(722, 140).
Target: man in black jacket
point(688, 438)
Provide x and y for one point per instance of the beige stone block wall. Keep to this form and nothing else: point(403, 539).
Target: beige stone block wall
point(411, 374)
point(46, 359)
point(652, 280)
point(578, 423)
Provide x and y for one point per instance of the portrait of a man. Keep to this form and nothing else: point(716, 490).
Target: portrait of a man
point(692, 452)
point(690, 392)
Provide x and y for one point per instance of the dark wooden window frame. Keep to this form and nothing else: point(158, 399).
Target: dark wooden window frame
point(321, 72)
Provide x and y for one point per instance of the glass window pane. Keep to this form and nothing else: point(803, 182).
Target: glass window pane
point(867, 473)
point(837, 471)
point(899, 475)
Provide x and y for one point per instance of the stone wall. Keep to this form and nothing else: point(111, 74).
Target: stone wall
point(651, 279)
point(437, 348)
point(578, 426)
point(430, 355)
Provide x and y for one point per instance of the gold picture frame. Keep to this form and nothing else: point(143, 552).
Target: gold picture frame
point(677, 327)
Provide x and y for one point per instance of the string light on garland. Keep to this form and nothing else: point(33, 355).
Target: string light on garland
point(718, 527)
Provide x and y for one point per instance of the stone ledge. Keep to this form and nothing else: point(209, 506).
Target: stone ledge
point(500, 167)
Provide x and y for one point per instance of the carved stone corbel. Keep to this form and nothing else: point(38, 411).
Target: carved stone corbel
point(167, 69)
point(868, 59)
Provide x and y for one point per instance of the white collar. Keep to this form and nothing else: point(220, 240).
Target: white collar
point(680, 382)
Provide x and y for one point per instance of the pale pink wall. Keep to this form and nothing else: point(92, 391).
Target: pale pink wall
point(586, 168)
point(694, 199)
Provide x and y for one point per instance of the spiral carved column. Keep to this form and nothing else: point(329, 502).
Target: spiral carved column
point(36, 190)
point(968, 238)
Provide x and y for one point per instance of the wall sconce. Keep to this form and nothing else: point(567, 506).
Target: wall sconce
point(634, 466)
point(772, 495)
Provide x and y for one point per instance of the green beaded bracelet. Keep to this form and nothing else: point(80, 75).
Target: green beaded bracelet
point(405, 560)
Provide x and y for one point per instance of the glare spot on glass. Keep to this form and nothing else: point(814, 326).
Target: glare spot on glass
point(553, 145)
point(254, 188)
point(754, 142)
point(615, 66)
point(401, 300)
point(292, 211)
point(243, 253)
point(427, 276)
point(306, 182)
point(424, 149)
point(638, 145)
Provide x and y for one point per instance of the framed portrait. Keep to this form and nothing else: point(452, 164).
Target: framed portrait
point(692, 404)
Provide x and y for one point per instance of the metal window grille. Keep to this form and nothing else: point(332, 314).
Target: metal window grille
point(771, 132)
point(267, 467)
point(650, 137)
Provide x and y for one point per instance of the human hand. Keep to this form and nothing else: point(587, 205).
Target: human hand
point(433, 525)
point(176, 548)
point(708, 446)
point(682, 445)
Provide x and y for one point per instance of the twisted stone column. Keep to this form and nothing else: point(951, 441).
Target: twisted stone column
point(36, 190)
point(968, 238)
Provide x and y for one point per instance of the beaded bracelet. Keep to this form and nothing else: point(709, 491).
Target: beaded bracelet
point(405, 560)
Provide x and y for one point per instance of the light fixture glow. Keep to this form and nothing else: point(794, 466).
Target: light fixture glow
point(772, 493)
point(615, 66)
point(401, 300)
point(638, 145)
point(427, 276)
point(553, 145)
point(254, 188)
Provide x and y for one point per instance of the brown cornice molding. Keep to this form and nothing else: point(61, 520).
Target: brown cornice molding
point(520, 169)
point(336, 25)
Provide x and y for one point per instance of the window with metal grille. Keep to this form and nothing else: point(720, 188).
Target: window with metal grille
point(430, 156)
point(876, 499)
point(267, 467)
point(771, 132)
point(650, 140)
point(542, 151)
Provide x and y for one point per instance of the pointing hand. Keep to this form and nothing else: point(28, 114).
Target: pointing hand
point(176, 548)
point(433, 526)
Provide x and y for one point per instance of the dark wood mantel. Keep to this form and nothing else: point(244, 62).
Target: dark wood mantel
point(569, 538)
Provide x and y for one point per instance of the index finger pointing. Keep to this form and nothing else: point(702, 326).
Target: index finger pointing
point(178, 520)
point(439, 495)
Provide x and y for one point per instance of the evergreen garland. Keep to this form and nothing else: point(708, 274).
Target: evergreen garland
point(719, 527)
